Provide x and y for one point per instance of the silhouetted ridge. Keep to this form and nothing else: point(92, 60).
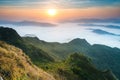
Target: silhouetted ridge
point(9, 35)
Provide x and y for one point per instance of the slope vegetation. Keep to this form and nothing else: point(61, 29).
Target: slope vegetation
point(104, 57)
point(77, 67)
point(10, 36)
point(15, 65)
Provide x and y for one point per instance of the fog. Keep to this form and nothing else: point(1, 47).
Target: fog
point(65, 32)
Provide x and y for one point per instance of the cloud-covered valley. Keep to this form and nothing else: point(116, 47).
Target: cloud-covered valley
point(95, 33)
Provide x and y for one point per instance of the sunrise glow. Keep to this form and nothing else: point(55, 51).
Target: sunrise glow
point(52, 12)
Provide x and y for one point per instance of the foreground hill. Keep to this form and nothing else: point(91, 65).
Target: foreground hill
point(103, 56)
point(15, 65)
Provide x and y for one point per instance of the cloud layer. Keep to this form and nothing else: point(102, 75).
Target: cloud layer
point(103, 32)
point(60, 3)
point(28, 23)
point(65, 32)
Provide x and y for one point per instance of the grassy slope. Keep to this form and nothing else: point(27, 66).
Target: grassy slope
point(15, 65)
point(36, 54)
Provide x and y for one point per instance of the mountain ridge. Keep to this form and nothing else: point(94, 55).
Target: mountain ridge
point(10, 36)
point(101, 54)
point(61, 51)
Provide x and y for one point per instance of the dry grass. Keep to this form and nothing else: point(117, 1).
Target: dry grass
point(15, 65)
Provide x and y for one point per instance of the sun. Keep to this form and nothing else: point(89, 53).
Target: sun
point(52, 12)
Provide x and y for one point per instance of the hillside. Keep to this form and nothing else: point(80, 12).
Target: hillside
point(12, 37)
point(45, 55)
point(103, 56)
point(77, 67)
point(15, 65)
point(55, 48)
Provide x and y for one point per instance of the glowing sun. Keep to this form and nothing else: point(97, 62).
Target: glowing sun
point(52, 12)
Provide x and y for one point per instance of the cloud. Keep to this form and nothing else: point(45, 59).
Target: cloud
point(28, 23)
point(112, 26)
point(87, 21)
point(102, 32)
point(61, 3)
point(23, 3)
point(94, 3)
point(100, 25)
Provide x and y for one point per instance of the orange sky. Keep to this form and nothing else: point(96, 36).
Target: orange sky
point(62, 14)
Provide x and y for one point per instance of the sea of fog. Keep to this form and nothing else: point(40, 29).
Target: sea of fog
point(97, 33)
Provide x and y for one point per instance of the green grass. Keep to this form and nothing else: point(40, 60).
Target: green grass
point(75, 67)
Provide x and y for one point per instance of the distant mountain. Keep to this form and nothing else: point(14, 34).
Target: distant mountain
point(79, 41)
point(103, 56)
point(94, 20)
point(36, 54)
point(33, 23)
point(99, 25)
point(102, 32)
point(27, 23)
point(29, 35)
point(15, 65)
point(55, 48)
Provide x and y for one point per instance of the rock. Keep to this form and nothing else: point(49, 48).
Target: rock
point(1, 78)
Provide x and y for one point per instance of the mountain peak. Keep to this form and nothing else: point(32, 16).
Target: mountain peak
point(79, 41)
point(9, 34)
point(30, 35)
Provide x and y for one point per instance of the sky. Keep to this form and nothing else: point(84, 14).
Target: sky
point(97, 21)
point(36, 10)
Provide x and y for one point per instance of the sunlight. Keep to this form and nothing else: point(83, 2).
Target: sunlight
point(52, 12)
